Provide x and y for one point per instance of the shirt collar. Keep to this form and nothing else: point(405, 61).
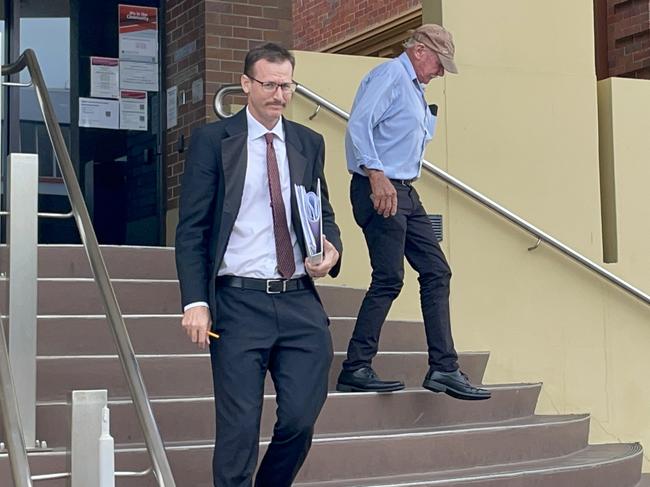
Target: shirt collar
point(257, 130)
point(406, 62)
point(408, 66)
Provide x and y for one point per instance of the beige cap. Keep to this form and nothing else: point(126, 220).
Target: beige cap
point(439, 40)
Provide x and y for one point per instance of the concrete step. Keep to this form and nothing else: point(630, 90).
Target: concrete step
point(464, 446)
point(645, 480)
point(614, 465)
point(122, 262)
point(411, 408)
point(162, 334)
point(555, 439)
point(80, 296)
point(191, 375)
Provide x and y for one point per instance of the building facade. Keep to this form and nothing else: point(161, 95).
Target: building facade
point(131, 176)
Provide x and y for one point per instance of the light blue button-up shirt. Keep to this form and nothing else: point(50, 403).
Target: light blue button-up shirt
point(390, 122)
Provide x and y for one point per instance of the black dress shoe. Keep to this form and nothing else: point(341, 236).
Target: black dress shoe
point(456, 384)
point(365, 380)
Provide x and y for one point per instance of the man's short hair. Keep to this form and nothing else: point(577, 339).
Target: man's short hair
point(270, 52)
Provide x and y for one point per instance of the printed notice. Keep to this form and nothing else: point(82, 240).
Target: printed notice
point(172, 107)
point(104, 77)
point(138, 76)
point(99, 113)
point(138, 33)
point(133, 110)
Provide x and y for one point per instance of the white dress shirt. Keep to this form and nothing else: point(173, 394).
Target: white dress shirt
point(251, 248)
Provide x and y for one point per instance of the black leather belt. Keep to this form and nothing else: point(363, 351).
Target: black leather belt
point(269, 286)
point(404, 182)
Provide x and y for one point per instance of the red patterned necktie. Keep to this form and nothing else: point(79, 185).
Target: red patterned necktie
point(283, 247)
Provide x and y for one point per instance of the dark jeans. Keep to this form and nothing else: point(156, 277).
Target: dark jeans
point(407, 234)
point(286, 334)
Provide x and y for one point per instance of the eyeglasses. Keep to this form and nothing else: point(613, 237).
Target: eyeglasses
point(271, 86)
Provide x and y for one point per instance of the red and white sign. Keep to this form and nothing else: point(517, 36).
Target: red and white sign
point(138, 33)
point(133, 110)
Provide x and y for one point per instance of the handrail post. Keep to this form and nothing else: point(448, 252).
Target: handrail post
point(23, 260)
point(86, 429)
point(128, 360)
point(11, 420)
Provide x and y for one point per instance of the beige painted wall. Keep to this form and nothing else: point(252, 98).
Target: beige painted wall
point(520, 124)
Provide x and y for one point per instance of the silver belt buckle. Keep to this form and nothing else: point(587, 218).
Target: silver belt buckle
point(270, 282)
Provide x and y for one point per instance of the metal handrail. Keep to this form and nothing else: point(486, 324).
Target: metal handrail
point(130, 365)
point(463, 188)
point(67, 475)
point(11, 419)
point(58, 216)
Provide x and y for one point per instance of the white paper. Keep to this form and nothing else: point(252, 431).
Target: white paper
point(133, 110)
point(99, 113)
point(172, 107)
point(138, 33)
point(138, 76)
point(104, 77)
point(311, 221)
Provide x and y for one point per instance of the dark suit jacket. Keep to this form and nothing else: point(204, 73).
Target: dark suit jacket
point(211, 195)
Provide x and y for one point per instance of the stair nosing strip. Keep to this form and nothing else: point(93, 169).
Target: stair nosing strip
point(100, 316)
point(456, 431)
point(92, 279)
point(101, 246)
point(637, 450)
point(164, 400)
point(187, 355)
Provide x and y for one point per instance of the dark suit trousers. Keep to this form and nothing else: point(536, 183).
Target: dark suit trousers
point(286, 334)
point(407, 234)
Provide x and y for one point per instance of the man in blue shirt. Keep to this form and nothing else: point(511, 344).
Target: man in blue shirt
point(388, 130)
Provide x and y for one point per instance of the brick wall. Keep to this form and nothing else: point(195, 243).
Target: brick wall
point(628, 35)
point(207, 40)
point(185, 61)
point(319, 23)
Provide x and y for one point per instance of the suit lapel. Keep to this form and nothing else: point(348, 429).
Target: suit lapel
point(298, 163)
point(234, 159)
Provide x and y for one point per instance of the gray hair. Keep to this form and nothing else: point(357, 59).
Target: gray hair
point(410, 42)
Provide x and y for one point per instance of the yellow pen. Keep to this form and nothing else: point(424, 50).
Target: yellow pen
point(214, 335)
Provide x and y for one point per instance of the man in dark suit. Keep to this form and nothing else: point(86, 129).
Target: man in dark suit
point(240, 256)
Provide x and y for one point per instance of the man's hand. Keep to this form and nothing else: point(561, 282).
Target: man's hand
point(196, 322)
point(330, 258)
point(384, 194)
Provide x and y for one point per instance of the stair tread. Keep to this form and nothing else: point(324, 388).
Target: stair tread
point(529, 421)
point(351, 395)
point(588, 457)
point(384, 434)
point(585, 460)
